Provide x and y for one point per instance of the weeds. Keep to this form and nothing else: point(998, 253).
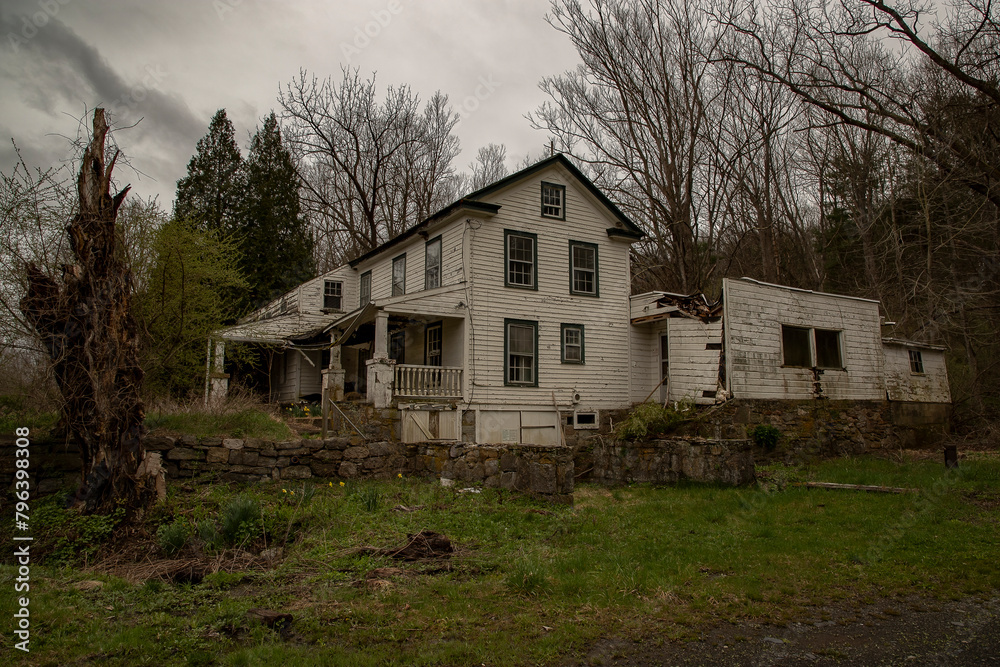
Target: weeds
point(652, 419)
point(765, 436)
point(172, 537)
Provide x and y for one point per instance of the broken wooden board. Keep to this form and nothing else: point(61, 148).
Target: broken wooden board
point(855, 487)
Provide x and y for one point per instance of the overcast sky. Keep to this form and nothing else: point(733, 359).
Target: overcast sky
point(173, 64)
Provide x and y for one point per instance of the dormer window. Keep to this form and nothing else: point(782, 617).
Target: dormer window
point(333, 292)
point(553, 201)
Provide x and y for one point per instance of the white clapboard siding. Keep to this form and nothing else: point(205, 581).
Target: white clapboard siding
point(754, 314)
point(694, 369)
point(414, 249)
point(603, 380)
point(902, 384)
point(645, 360)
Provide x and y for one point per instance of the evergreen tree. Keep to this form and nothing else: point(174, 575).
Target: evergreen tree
point(208, 195)
point(275, 242)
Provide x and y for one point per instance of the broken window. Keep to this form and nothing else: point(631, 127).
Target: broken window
point(916, 362)
point(795, 346)
point(810, 348)
point(828, 349)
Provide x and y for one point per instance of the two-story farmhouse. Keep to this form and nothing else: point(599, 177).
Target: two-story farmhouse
point(507, 316)
point(500, 310)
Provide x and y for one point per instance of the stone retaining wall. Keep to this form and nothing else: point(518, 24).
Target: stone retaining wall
point(669, 461)
point(820, 428)
point(543, 471)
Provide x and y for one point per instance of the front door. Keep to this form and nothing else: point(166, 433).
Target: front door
point(664, 367)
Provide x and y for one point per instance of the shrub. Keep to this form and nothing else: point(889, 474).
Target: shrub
point(209, 534)
point(240, 520)
point(173, 536)
point(765, 436)
point(652, 419)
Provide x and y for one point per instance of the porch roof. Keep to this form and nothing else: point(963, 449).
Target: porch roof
point(281, 330)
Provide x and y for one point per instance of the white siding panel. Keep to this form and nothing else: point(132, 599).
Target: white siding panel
point(754, 315)
point(903, 385)
point(603, 380)
point(693, 368)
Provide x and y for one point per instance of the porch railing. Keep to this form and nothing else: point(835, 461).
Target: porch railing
point(414, 381)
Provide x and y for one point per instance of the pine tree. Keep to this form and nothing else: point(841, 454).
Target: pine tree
point(208, 195)
point(275, 241)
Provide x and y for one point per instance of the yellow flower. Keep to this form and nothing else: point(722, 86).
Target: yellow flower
point(284, 490)
point(331, 483)
point(341, 483)
point(293, 493)
point(399, 475)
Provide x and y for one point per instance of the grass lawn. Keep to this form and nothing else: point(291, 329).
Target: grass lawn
point(529, 583)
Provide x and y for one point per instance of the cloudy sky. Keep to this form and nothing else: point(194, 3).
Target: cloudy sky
point(173, 64)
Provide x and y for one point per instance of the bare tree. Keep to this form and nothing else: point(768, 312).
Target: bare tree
point(369, 169)
point(638, 112)
point(490, 166)
point(85, 323)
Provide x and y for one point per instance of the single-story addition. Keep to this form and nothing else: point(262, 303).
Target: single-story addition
point(507, 317)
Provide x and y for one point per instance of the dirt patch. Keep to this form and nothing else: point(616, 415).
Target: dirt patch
point(910, 631)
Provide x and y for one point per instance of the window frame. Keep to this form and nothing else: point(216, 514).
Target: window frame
point(362, 301)
point(439, 327)
point(440, 262)
point(596, 269)
point(399, 260)
point(563, 328)
point(507, 235)
point(533, 324)
point(916, 362)
point(562, 201)
point(327, 284)
point(397, 343)
point(812, 350)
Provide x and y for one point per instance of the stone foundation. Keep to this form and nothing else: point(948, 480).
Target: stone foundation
point(824, 428)
point(670, 461)
point(542, 471)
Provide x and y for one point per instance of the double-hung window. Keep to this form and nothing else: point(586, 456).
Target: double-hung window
point(366, 288)
point(916, 362)
point(333, 292)
point(520, 259)
point(399, 276)
point(572, 343)
point(432, 344)
point(521, 352)
point(810, 348)
point(553, 201)
point(432, 264)
point(397, 346)
point(583, 268)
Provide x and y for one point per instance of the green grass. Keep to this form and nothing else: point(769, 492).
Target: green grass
point(245, 423)
point(17, 412)
point(531, 583)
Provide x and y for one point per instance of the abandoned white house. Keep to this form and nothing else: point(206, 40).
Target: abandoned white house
point(509, 311)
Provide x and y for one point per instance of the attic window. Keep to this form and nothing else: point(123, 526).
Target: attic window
point(333, 291)
point(553, 201)
point(916, 362)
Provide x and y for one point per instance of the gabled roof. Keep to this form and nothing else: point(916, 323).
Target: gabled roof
point(472, 204)
point(631, 229)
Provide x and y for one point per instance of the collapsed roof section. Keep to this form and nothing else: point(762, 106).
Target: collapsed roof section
point(654, 306)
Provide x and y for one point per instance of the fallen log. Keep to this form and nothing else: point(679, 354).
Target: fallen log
point(855, 487)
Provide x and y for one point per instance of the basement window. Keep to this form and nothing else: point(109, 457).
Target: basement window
point(916, 362)
point(585, 420)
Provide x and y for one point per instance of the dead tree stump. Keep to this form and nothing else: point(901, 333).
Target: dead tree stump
point(85, 323)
